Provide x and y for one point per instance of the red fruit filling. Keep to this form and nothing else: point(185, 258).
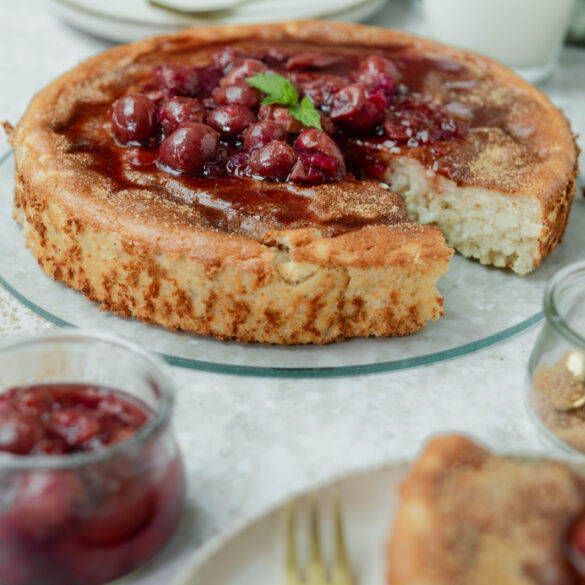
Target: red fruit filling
point(365, 98)
point(84, 524)
point(65, 418)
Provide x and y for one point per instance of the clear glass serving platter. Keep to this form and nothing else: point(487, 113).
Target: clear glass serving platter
point(483, 306)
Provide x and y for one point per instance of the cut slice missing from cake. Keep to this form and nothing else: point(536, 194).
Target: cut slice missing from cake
point(468, 517)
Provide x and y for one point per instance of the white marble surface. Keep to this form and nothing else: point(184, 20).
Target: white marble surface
point(249, 442)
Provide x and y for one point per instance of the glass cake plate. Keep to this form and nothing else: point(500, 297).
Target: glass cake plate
point(483, 306)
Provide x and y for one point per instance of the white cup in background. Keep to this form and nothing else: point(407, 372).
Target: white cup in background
point(526, 35)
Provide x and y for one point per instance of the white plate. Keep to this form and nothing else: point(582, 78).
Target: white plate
point(483, 306)
point(254, 553)
point(130, 20)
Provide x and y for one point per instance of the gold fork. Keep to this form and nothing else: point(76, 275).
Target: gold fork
point(316, 571)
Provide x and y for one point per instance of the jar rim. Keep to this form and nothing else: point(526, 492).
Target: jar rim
point(156, 421)
point(551, 311)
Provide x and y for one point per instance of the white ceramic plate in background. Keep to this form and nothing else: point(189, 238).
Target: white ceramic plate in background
point(135, 19)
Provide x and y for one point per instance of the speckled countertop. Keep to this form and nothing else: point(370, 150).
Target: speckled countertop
point(250, 442)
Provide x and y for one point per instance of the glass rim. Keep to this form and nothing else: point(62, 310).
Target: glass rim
point(551, 311)
point(159, 418)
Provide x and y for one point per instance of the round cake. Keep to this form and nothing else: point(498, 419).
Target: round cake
point(287, 183)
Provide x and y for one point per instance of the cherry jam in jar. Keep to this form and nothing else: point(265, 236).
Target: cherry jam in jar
point(91, 478)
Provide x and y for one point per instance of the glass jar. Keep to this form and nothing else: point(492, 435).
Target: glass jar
point(556, 370)
point(88, 517)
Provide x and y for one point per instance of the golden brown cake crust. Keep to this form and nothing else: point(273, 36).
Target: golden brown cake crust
point(266, 281)
point(468, 517)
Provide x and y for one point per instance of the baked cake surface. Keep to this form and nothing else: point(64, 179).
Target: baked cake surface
point(467, 517)
point(279, 262)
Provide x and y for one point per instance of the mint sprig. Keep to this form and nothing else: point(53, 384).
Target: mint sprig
point(280, 90)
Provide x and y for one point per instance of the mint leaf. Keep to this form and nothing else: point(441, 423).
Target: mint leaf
point(307, 113)
point(281, 91)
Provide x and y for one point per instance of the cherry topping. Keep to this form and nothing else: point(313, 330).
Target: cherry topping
point(304, 173)
point(209, 78)
point(220, 133)
point(188, 147)
point(378, 73)
point(418, 122)
point(231, 120)
point(313, 140)
point(73, 426)
point(242, 93)
point(134, 120)
point(178, 110)
point(237, 163)
point(312, 60)
point(273, 161)
point(319, 88)
point(262, 133)
point(158, 96)
point(178, 79)
point(281, 116)
point(248, 68)
point(320, 161)
point(227, 57)
point(19, 433)
point(355, 108)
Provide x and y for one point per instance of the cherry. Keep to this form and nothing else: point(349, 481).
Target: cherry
point(319, 88)
point(263, 132)
point(304, 173)
point(419, 122)
point(134, 120)
point(178, 79)
point(158, 96)
point(52, 446)
point(231, 120)
point(46, 501)
point(273, 161)
point(576, 545)
point(119, 517)
point(312, 60)
point(34, 400)
point(242, 93)
point(397, 129)
point(19, 433)
point(178, 110)
point(90, 565)
point(227, 57)
point(313, 140)
point(378, 73)
point(355, 108)
point(73, 426)
point(281, 116)
point(237, 164)
point(320, 160)
point(188, 147)
point(209, 78)
point(125, 413)
point(272, 55)
point(248, 68)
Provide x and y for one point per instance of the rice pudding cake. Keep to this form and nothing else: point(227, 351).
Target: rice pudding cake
point(468, 517)
point(287, 183)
